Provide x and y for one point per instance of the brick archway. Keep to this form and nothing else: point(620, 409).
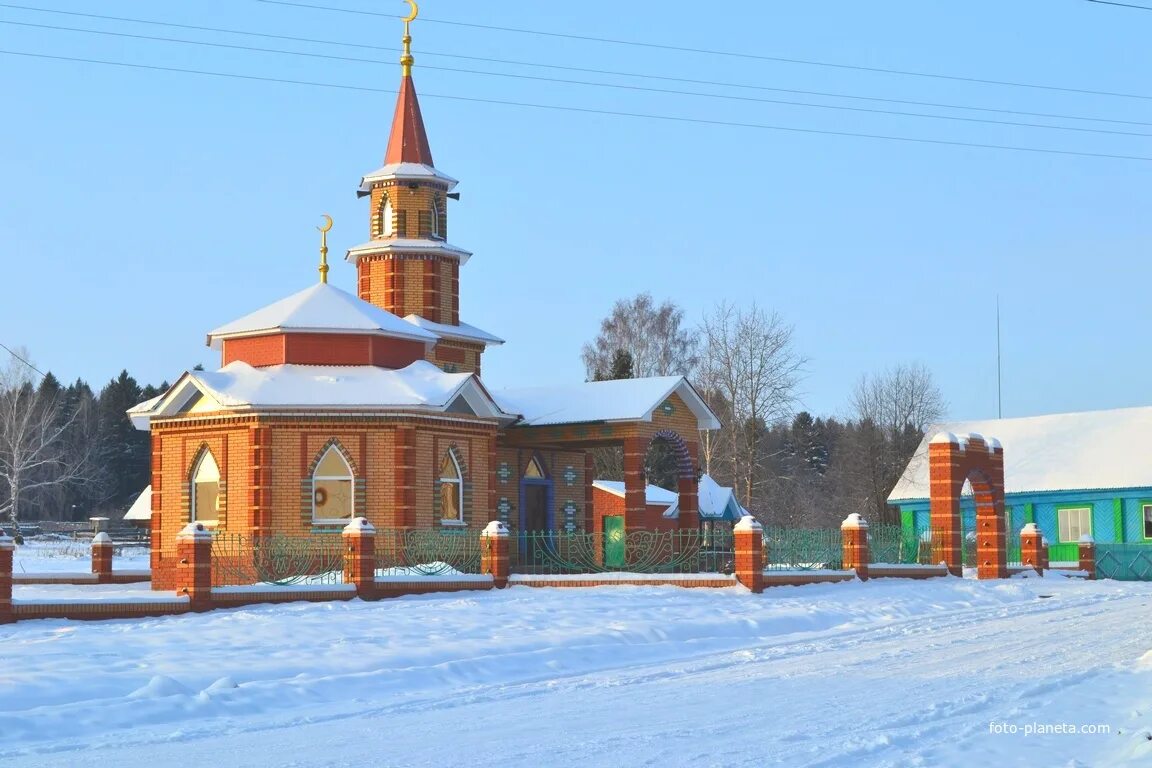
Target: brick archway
point(635, 453)
point(952, 460)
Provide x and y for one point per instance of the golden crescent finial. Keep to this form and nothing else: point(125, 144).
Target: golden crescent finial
point(324, 230)
point(415, 12)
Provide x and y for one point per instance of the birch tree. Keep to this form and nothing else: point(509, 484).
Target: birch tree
point(34, 450)
point(750, 371)
point(653, 336)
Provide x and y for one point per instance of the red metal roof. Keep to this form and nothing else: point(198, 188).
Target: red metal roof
point(408, 142)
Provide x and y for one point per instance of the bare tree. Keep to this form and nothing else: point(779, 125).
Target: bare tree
point(894, 409)
point(750, 371)
point(653, 335)
point(34, 451)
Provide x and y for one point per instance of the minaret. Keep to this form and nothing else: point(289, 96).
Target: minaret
point(407, 266)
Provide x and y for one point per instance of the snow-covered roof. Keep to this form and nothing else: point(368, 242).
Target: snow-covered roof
point(408, 245)
point(141, 509)
point(415, 171)
point(717, 502)
point(239, 386)
point(1066, 451)
point(654, 495)
point(461, 331)
point(322, 308)
point(593, 401)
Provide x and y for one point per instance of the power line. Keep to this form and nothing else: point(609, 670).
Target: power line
point(732, 54)
point(592, 111)
point(1122, 5)
point(617, 86)
point(559, 67)
point(21, 359)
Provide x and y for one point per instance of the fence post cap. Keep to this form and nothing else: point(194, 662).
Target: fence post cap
point(195, 531)
point(854, 520)
point(748, 523)
point(360, 526)
point(1030, 529)
point(495, 528)
point(101, 538)
point(1087, 539)
point(6, 542)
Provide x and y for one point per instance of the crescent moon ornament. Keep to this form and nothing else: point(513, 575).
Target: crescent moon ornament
point(415, 12)
point(327, 224)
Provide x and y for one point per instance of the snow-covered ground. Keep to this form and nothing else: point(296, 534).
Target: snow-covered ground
point(885, 673)
point(64, 555)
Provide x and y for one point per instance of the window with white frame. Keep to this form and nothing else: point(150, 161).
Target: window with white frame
point(1148, 521)
point(332, 482)
point(386, 217)
point(435, 219)
point(205, 502)
point(451, 490)
point(1074, 523)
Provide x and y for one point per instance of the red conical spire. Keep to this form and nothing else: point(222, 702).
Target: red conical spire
point(408, 142)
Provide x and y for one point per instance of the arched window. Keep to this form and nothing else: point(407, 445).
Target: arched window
point(205, 490)
point(451, 490)
point(386, 217)
point(332, 488)
point(436, 219)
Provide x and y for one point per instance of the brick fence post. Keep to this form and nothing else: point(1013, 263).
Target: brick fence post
point(194, 566)
point(1032, 547)
point(360, 557)
point(749, 540)
point(1045, 562)
point(1088, 555)
point(854, 535)
point(102, 558)
point(494, 553)
point(7, 548)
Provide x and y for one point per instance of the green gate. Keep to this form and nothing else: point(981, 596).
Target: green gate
point(1124, 562)
point(614, 541)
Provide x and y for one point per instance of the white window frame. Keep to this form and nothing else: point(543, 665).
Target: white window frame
point(1145, 509)
point(458, 481)
point(1064, 532)
point(205, 456)
point(387, 218)
point(350, 478)
point(435, 228)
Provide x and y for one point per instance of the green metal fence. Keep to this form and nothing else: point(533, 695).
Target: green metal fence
point(241, 559)
point(893, 545)
point(804, 549)
point(1064, 553)
point(1124, 562)
point(427, 552)
point(563, 552)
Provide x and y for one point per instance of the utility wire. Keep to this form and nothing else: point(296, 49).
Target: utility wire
point(559, 67)
point(591, 111)
point(732, 54)
point(21, 359)
point(1122, 5)
point(617, 86)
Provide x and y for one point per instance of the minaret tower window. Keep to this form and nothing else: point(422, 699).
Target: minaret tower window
point(387, 219)
point(436, 220)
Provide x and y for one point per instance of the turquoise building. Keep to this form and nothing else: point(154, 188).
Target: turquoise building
point(1070, 473)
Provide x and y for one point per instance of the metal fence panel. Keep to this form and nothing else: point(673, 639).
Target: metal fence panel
point(563, 552)
point(804, 549)
point(1124, 562)
point(241, 559)
point(427, 552)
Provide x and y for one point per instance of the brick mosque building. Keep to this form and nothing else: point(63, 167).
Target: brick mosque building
point(330, 406)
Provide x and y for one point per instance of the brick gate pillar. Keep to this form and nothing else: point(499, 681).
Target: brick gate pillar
point(194, 566)
point(494, 553)
point(635, 484)
point(7, 549)
point(1088, 555)
point(1031, 547)
point(360, 557)
point(946, 480)
point(749, 545)
point(102, 558)
point(854, 535)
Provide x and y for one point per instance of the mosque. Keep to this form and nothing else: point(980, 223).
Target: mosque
point(330, 406)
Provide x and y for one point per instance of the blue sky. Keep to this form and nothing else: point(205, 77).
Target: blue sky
point(140, 209)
